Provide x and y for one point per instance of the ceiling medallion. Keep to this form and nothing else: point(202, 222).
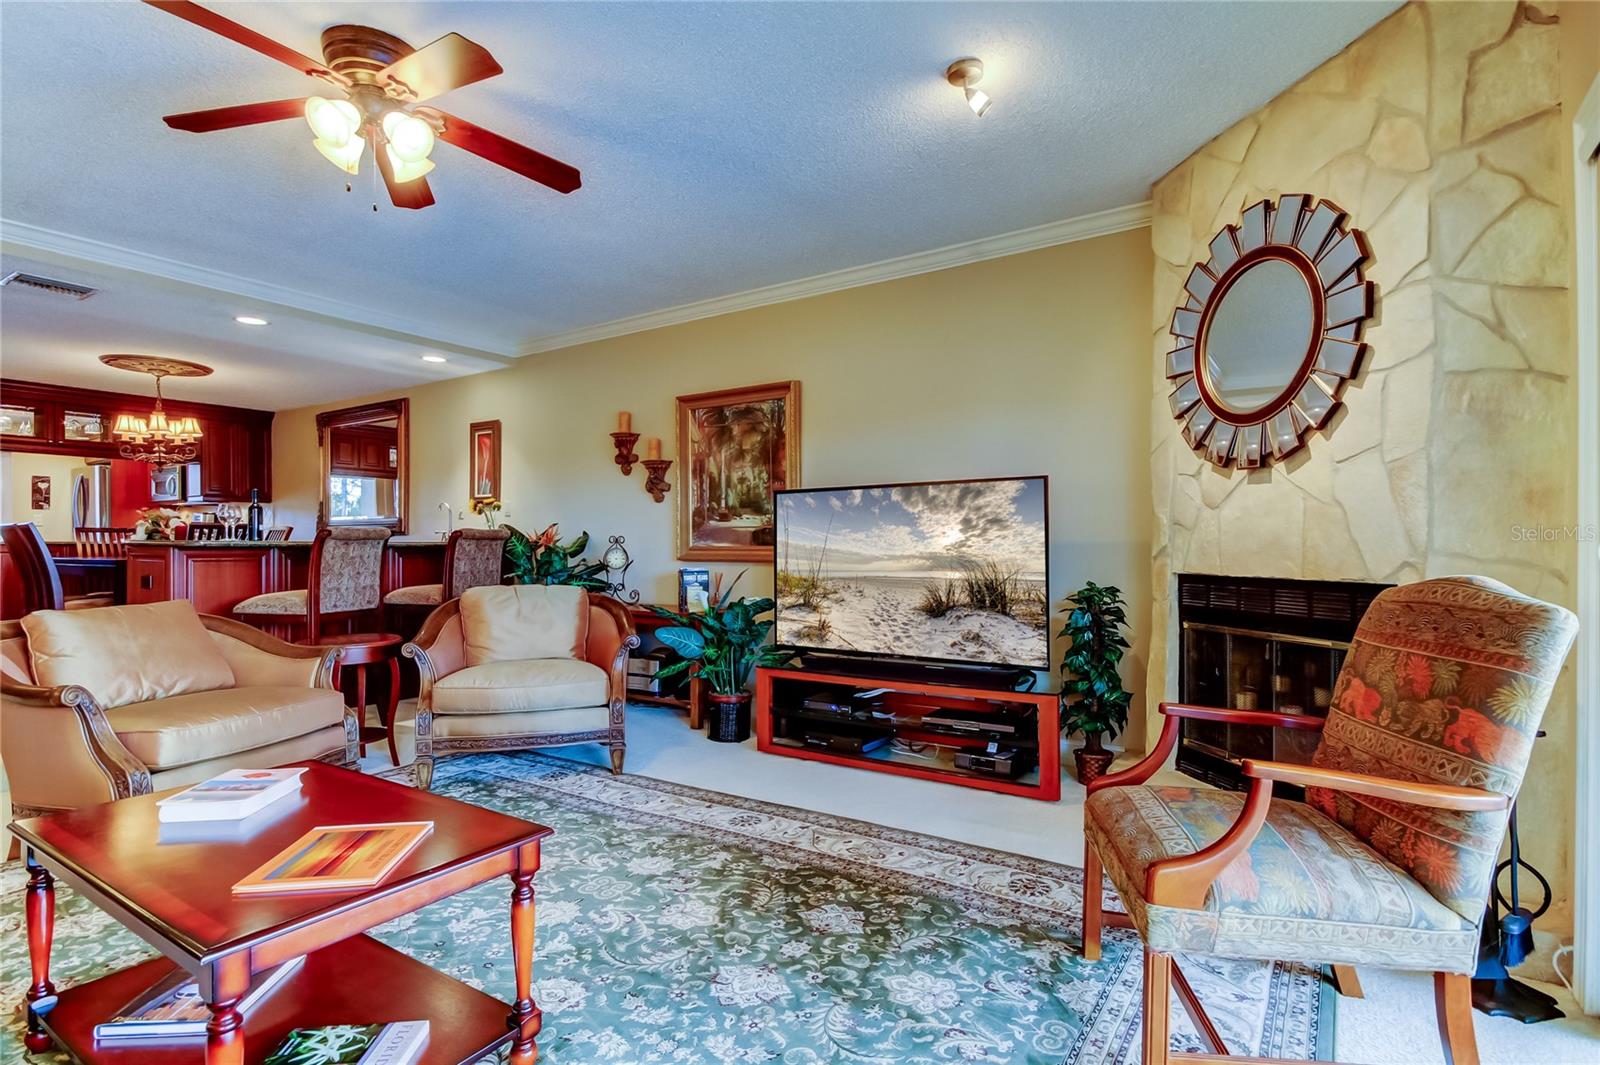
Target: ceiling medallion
point(157, 439)
point(1270, 332)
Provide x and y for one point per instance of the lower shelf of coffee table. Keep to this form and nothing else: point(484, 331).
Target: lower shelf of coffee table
point(358, 981)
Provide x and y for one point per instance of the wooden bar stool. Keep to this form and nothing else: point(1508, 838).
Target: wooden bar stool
point(343, 584)
point(472, 559)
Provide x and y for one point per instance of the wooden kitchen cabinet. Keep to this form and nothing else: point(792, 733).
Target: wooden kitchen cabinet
point(364, 451)
point(235, 452)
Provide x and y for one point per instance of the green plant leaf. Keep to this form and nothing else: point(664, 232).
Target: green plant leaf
point(685, 642)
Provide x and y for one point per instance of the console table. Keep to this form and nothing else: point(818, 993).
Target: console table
point(646, 621)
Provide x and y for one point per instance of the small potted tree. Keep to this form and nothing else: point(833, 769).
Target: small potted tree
point(721, 646)
point(1093, 701)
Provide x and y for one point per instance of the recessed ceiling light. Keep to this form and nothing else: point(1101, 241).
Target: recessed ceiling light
point(434, 358)
point(249, 319)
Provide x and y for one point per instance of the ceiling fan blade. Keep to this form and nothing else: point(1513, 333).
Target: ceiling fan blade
point(242, 115)
point(413, 195)
point(509, 154)
point(448, 63)
point(210, 20)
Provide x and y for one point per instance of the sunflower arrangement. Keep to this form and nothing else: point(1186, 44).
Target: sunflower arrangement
point(487, 508)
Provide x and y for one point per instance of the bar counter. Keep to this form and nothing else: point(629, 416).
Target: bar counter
point(217, 575)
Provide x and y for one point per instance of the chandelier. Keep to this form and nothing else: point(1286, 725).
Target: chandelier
point(156, 438)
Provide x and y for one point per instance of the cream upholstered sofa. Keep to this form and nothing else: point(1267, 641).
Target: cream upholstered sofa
point(510, 667)
point(102, 704)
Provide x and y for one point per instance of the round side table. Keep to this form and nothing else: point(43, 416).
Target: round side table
point(364, 651)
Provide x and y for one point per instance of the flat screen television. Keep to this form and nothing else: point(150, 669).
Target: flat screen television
point(945, 571)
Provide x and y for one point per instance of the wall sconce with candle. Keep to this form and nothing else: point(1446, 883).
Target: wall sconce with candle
point(656, 484)
point(623, 440)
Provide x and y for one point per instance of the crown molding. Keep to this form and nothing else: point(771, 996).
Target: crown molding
point(67, 249)
point(57, 248)
point(1050, 234)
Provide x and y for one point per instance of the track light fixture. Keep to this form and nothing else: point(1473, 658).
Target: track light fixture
point(964, 74)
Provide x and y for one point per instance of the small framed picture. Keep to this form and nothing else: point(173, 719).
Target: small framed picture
point(40, 488)
point(484, 438)
point(694, 591)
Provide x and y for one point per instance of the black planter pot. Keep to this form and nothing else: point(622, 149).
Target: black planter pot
point(730, 718)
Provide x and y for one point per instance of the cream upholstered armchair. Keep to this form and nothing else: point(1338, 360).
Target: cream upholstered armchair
point(511, 667)
point(97, 705)
point(1390, 859)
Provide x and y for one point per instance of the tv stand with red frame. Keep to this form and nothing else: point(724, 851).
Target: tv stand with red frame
point(780, 689)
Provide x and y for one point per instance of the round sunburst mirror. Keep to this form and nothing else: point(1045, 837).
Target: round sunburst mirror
point(1269, 332)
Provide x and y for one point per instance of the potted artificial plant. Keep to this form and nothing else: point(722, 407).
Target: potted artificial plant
point(1093, 701)
point(721, 646)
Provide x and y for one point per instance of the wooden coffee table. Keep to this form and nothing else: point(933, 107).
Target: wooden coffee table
point(177, 897)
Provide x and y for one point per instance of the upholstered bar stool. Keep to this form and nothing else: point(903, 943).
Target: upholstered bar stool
point(344, 581)
point(472, 558)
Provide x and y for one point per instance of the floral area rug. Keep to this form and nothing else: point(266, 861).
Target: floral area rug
point(681, 925)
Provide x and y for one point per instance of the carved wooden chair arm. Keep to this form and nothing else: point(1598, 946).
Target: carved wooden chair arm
point(1147, 766)
point(1440, 796)
point(123, 771)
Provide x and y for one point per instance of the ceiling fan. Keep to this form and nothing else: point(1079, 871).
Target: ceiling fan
point(382, 79)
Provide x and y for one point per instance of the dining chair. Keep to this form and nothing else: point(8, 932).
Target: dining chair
point(102, 541)
point(1390, 859)
point(40, 580)
point(344, 582)
point(206, 531)
point(279, 533)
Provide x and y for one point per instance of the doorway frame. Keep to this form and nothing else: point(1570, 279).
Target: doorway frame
point(1586, 293)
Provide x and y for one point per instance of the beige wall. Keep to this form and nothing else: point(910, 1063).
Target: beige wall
point(1442, 132)
point(17, 471)
point(1027, 364)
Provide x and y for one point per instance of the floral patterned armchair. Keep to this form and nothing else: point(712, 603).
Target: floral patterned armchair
point(1389, 860)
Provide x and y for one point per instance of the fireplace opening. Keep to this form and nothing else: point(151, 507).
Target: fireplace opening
point(1259, 643)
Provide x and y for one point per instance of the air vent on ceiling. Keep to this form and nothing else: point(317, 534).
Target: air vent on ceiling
point(48, 284)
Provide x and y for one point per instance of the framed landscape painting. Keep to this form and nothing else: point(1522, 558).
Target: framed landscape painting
point(737, 447)
point(484, 438)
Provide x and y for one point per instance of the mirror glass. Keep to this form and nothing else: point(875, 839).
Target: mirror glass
point(364, 465)
point(1258, 336)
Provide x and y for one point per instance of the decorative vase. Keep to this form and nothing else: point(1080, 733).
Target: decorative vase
point(730, 718)
point(1092, 763)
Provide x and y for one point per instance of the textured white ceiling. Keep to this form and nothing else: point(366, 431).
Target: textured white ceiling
point(723, 146)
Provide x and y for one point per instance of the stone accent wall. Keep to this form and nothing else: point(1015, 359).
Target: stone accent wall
point(1441, 132)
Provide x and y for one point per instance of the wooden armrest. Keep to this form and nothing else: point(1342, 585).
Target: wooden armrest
point(1171, 713)
point(1223, 715)
point(1184, 881)
point(1440, 796)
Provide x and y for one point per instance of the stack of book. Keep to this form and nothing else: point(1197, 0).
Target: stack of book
point(642, 670)
point(233, 796)
point(172, 1008)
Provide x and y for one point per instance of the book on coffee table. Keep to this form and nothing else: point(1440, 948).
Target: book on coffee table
point(172, 1008)
point(395, 1043)
point(336, 858)
point(230, 796)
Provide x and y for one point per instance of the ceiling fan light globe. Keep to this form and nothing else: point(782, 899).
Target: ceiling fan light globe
point(334, 121)
point(347, 156)
point(407, 169)
point(409, 136)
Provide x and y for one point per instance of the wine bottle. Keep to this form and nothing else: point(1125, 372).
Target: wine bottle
point(254, 531)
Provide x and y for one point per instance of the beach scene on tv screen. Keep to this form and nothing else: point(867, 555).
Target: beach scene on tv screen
point(950, 571)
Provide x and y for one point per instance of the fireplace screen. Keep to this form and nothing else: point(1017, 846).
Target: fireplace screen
point(1260, 645)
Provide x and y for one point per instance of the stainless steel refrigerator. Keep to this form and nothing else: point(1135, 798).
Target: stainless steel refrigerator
point(91, 496)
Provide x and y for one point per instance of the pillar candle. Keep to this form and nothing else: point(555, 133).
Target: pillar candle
point(653, 447)
point(624, 422)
